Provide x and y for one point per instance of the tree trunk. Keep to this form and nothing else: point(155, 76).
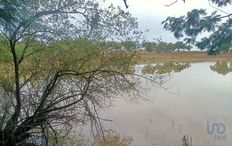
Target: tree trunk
point(10, 139)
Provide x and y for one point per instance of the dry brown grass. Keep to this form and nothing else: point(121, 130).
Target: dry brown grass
point(194, 56)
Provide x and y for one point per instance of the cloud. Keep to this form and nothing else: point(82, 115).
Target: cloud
point(151, 13)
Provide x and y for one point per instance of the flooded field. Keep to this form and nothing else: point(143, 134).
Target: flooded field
point(196, 105)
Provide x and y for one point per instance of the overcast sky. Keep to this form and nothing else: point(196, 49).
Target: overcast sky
point(151, 13)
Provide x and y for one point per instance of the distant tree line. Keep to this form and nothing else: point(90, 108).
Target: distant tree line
point(149, 46)
point(162, 46)
point(157, 46)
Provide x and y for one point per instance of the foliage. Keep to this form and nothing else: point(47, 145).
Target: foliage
point(121, 46)
point(148, 69)
point(111, 138)
point(149, 46)
point(54, 70)
point(162, 46)
point(114, 139)
point(197, 21)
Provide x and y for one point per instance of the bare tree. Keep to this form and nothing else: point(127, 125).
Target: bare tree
point(49, 79)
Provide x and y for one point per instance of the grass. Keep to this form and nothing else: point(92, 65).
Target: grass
point(67, 50)
point(110, 139)
point(143, 57)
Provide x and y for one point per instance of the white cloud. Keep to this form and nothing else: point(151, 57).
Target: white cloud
point(151, 13)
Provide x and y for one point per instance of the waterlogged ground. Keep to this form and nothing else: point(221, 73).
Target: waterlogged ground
point(197, 104)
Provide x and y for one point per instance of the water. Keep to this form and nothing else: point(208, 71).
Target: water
point(198, 96)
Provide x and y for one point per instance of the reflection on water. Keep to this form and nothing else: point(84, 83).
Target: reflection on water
point(222, 67)
point(203, 99)
point(165, 68)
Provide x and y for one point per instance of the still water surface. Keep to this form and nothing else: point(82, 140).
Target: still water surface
point(198, 96)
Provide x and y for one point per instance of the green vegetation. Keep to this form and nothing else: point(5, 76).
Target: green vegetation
point(196, 21)
point(162, 46)
point(55, 72)
point(110, 139)
point(58, 67)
